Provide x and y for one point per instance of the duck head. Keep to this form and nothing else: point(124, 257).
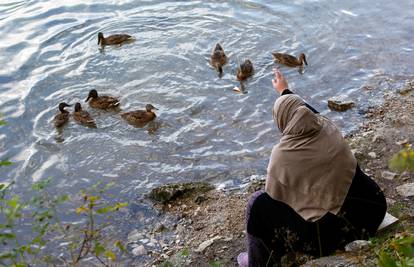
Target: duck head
point(78, 107)
point(100, 38)
point(302, 58)
point(62, 107)
point(150, 108)
point(92, 94)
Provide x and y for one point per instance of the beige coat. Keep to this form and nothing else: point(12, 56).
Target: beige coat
point(312, 167)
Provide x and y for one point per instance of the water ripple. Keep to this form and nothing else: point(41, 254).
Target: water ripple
point(204, 131)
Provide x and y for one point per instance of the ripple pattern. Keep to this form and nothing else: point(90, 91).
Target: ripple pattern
point(204, 131)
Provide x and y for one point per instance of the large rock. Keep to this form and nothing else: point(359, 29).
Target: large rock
point(406, 190)
point(169, 192)
point(340, 103)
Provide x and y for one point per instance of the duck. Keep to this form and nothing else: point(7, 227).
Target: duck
point(245, 70)
point(140, 116)
point(102, 101)
point(63, 117)
point(289, 60)
point(83, 117)
point(218, 58)
point(115, 39)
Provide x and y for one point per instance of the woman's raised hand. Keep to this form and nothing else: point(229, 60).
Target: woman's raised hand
point(279, 82)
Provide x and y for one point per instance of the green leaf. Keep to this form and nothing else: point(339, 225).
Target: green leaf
point(39, 186)
point(166, 264)
point(98, 249)
point(120, 246)
point(216, 264)
point(108, 186)
point(7, 236)
point(62, 198)
point(5, 163)
point(104, 210)
point(2, 122)
point(7, 255)
point(403, 160)
point(14, 202)
point(110, 255)
point(120, 205)
point(184, 252)
point(81, 209)
point(385, 260)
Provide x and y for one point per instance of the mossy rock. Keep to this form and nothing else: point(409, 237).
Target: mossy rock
point(169, 192)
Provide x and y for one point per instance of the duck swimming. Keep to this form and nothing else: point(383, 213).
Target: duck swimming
point(83, 117)
point(63, 117)
point(218, 58)
point(101, 102)
point(245, 70)
point(140, 116)
point(115, 39)
point(290, 61)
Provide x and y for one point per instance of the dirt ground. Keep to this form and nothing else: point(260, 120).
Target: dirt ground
point(209, 228)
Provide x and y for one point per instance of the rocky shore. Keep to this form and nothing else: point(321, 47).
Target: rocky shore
point(202, 226)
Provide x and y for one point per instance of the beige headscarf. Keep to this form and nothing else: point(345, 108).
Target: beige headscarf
point(312, 167)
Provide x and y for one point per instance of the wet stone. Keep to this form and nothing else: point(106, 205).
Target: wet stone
point(170, 192)
point(340, 103)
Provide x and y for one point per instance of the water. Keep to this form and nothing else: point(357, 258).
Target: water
point(204, 131)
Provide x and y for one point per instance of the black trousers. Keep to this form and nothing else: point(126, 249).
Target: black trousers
point(274, 228)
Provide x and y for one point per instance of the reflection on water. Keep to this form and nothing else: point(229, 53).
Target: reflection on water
point(204, 130)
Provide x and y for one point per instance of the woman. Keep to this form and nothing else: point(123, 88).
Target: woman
point(316, 198)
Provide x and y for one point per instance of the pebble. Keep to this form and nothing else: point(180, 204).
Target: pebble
point(372, 155)
point(134, 236)
point(140, 250)
point(365, 134)
point(402, 142)
point(357, 245)
point(388, 175)
point(160, 228)
point(390, 201)
point(406, 190)
point(144, 241)
point(206, 244)
point(377, 137)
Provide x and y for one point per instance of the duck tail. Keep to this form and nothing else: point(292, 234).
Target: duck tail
point(220, 70)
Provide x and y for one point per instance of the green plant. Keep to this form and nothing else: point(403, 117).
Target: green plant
point(403, 160)
point(179, 259)
point(397, 252)
point(216, 263)
point(82, 241)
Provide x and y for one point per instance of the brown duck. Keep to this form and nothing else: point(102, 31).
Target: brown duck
point(289, 60)
point(218, 58)
point(83, 117)
point(245, 70)
point(102, 101)
point(115, 39)
point(63, 117)
point(140, 116)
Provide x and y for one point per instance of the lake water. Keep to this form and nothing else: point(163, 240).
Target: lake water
point(204, 130)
